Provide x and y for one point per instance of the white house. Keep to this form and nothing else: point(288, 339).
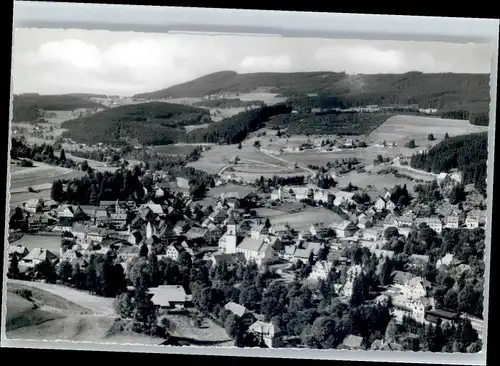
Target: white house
point(97, 235)
point(415, 288)
point(452, 222)
point(391, 221)
point(372, 234)
point(342, 197)
point(445, 261)
point(34, 205)
point(321, 269)
point(433, 222)
point(380, 204)
point(322, 195)
point(345, 229)
point(301, 193)
point(37, 256)
point(258, 231)
point(364, 222)
point(471, 222)
point(65, 211)
point(174, 251)
point(268, 332)
point(276, 195)
point(169, 296)
point(318, 229)
point(406, 220)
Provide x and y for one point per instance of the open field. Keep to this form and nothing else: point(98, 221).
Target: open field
point(377, 181)
point(302, 220)
point(52, 243)
point(241, 190)
point(41, 174)
point(17, 199)
point(96, 304)
point(401, 129)
point(47, 299)
point(20, 314)
point(59, 319)
point(182, 326)
point(174, 149)
point(213, 160)
point(37, 188)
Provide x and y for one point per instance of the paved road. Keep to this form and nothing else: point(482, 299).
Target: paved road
point(418, 171)
point(99, 305)
point(312, 172)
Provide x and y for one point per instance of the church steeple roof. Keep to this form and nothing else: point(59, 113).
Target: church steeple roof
point(231, 220)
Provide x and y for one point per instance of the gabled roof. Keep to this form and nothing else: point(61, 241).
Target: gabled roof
point(18, 249)
point(40, 254)
point(353, 341)
point(261, 327)
point(344, 225)
point(302, 253)
point(236, 308)
point(165, 294)
point(251, 244)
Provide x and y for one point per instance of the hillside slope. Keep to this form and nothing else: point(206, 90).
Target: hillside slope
point(154, 123)
point(445, 91)
point(30, 107)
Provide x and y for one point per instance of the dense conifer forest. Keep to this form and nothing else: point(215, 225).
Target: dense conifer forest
point(467, 153)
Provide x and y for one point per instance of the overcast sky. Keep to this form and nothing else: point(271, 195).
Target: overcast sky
point(51, 61)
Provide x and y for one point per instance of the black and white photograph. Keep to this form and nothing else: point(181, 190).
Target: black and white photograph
point(248, 191)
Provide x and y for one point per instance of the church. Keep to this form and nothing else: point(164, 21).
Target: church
point(259, 249)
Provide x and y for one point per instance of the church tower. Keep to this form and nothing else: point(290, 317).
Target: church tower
point(231, 235)
point(149, 230)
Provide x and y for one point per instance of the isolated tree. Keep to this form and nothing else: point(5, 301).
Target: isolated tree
point(57, 190)
point(385, 272)
point(411, 144)
point(267, 223)
point(391, 232)
point(64, 271)
point(446, 136)
point(13, 268)
point(239, 145)
point(430, 137)
point(62, 155)
point(457, 194)
point(143, 251)
point(85, 165)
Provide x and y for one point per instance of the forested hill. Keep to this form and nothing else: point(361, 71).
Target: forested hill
point(30, 107)
point(445, 91)
point(153, 123)
point(467, 153)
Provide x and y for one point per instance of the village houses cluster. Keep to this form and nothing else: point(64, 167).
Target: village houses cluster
point(227, 232)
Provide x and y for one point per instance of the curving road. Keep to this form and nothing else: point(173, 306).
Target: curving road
point(312, 172)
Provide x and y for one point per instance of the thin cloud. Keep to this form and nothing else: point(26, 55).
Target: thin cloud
point(124, 63)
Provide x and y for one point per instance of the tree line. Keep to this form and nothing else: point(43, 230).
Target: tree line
point(467, 153)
